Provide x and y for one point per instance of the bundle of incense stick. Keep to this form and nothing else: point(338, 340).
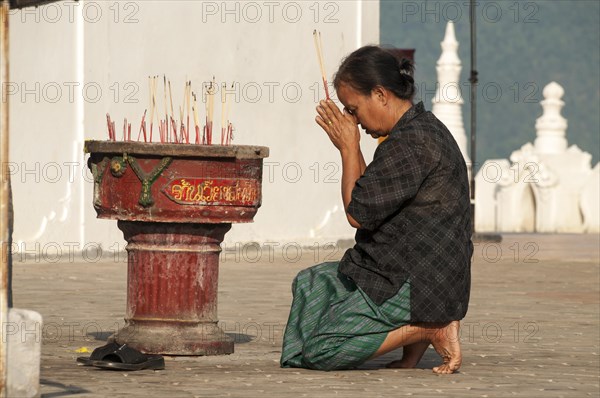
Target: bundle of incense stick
point(319, 48)
point(168, 129)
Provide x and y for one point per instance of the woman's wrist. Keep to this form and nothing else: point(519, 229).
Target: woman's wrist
point(351, 151)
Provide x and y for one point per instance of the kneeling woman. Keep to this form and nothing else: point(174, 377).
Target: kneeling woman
point(406, 282)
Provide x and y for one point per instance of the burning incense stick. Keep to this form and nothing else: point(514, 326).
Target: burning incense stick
point(174, 130)
point(151, 88)
point(142, 127)
point(173, 124)
point(205, 131)
point(225, 123)
point(161, 128)
point(229, 124)
point(210, 103)
point(156, 101)
point(181, 126)
point(223, 113)
point(166, 110)
point(109, 125)
point(153, 105)
point(196, 119)
point(319, 48)
point(188, 99)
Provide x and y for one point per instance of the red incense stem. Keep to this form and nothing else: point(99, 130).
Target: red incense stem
point(142, 126)
point(108, 125)
point(187, 129)
point(185, 134)
point(174, 129)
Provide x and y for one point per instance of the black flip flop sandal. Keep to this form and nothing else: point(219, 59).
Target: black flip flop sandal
point(98, 354)
point(127, 358)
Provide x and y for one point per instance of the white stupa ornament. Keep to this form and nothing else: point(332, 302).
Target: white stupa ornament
point(447, 103)
point(551, 127)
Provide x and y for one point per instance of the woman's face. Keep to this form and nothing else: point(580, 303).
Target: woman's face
point(368, 110)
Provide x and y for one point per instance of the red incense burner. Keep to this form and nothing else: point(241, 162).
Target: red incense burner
point(174, 204)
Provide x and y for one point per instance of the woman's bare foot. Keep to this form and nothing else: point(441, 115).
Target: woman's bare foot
point(447, 344)
point(411, 355)
point(443, 336)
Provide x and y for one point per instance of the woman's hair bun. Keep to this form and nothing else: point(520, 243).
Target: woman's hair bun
point(406, 66)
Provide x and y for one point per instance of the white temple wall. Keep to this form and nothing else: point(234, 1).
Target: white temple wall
point(485, 194)
point(546, 187)
point(110, 48)
point(516, 208)
point(559, 182)
point(590, 197)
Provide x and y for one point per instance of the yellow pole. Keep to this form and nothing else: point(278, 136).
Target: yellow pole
point(4, 190)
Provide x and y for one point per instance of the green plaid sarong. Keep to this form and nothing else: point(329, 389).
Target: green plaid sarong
point(333, 324)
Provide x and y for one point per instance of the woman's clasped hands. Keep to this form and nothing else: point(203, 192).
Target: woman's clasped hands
point(342, 128)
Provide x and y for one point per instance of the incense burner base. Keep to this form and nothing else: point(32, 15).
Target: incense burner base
point(172, 276)
point(175, 339)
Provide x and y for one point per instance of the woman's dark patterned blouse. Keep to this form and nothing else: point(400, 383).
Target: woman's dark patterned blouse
point(413, 207)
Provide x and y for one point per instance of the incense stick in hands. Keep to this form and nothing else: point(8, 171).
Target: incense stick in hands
point(319, 48)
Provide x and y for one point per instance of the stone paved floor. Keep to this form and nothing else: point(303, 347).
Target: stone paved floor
point(532, 329)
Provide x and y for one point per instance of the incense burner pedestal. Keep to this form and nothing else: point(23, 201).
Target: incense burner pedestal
point(174, 205)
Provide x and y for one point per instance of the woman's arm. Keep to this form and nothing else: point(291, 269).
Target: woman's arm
point(363, 165)
point(352, 168)
point(342, 130)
